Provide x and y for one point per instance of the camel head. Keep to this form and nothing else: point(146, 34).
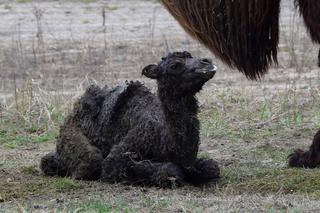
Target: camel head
point(179, 71)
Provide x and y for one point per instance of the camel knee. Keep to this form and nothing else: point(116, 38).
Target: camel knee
point(52, 165)
point(204, 171)
point(88, 167)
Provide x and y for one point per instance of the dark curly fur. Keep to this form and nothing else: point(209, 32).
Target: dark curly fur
point(308, 159)
point(128, 134)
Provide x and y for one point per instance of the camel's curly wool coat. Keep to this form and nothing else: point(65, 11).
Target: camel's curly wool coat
point(129, 134)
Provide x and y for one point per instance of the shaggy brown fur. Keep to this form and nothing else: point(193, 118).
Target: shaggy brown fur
point(310, 10)
point(310, 158)
point(319, 59)
point(242, 33)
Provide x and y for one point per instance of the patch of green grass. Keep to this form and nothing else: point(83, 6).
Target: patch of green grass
point(7, 7)
point(24, 1)
point(13, 141)
point(214, 124)
point(301, 181)
point(101, 206)
point(35, 124)
point(30, 170)
point(266, 152)
point(156, 203)
point(251, 178)
point(193, 206)
point(11, 145)
point(88, 1)
point(65, 184)
point(204, 155)
point(239, 116)
point(37, 186)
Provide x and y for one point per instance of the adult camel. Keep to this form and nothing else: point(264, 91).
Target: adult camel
point(244, 34)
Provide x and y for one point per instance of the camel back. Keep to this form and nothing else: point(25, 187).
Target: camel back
point(242, 33)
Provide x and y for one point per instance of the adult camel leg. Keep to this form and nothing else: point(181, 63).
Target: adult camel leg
point(319, 58)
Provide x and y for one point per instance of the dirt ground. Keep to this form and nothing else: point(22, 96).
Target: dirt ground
point(51, 50)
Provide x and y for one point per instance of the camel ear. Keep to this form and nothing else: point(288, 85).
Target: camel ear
point(151, 71)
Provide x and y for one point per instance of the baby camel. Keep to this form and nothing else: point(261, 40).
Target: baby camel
point(128, 134)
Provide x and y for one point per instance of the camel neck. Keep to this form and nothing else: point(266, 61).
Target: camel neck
point(181, 116)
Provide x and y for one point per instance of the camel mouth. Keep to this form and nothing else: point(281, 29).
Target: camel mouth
point(210, 69)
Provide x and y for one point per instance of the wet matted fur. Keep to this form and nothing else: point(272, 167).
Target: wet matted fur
point(128, 134)
point(242, 33)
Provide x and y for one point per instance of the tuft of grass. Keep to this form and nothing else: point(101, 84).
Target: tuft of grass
point(23, 1)
point(204, 155)
point(256, 178)
point(14, 140)
point(65, 184)
point(37, 186)
point(300, 181)
point(30, 170)
point(35, 119)
point(100, 206)
point(266, 152)
point(7, 7)
point(156, 203)
point(88, 1)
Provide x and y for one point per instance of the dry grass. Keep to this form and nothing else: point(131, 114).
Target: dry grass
point(249, 136)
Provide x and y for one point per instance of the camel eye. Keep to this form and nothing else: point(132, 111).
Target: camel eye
point(176, 66)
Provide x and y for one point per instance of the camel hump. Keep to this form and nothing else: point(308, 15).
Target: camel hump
point(97, 105)
point(117, 96)
point(107, 98)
